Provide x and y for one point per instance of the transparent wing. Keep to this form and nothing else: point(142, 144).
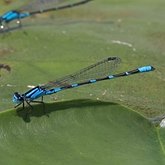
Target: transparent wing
point(99, 70)
point(41, 5)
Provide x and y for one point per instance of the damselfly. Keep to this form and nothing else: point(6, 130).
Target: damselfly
point(94, 73)
point(36, 7)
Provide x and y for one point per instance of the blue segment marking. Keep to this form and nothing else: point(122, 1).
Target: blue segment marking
point(110, 77)
point(23, 15)
point(145, 69)
point(92, 81)
point(31, 92)
point(34, 94)
point(6, 14)
point(74, 85)
point(57, 89)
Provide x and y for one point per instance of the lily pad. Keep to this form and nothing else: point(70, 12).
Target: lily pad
point(79, 132)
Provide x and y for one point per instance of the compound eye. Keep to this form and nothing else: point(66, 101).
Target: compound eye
point(18, 96)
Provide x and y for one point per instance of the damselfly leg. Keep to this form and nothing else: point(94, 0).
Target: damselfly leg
point(25, 100)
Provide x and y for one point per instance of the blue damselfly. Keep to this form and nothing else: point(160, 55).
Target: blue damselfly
point(100, 71)
point(36, 7)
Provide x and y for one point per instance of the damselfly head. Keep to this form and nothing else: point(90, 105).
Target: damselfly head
point(17, 98)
